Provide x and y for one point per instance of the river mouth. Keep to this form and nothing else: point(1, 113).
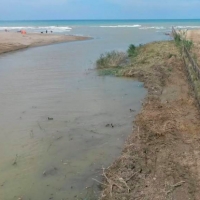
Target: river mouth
point(56, 116)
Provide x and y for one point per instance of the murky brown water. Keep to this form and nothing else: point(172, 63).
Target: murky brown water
point(57, 159)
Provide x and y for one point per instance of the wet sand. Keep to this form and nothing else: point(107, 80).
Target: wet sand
point(10, 41)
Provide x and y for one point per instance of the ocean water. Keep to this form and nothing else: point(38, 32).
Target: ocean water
point(60, 158)
point(68, 26)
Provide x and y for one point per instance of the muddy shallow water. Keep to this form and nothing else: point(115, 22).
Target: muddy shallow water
point(54, 111)
point(54, 138)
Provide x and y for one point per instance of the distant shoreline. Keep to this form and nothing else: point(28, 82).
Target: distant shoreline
point(10, 41)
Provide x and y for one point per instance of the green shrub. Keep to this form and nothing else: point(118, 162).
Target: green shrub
point(180, 40)
point(177, 38)
point(131, 50)
point(188, 44)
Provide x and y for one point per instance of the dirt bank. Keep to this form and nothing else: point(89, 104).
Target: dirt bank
point(161, 159)
point(10, 41)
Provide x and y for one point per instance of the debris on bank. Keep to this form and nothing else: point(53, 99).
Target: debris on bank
point(161, 159)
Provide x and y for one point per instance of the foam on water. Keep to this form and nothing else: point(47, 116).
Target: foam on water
point(38, 28)
point(122, 26)
point(152, 27)
point(72, 26)
point(187, 27)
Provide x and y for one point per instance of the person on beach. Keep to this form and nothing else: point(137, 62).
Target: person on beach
point(23, 32)
point(46, 31)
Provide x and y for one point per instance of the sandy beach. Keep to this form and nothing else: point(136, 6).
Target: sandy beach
point(10, 41)
point(193, 35)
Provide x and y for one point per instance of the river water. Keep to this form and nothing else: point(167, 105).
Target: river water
point(54, 110)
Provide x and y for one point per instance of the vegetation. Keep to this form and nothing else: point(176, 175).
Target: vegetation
point(159, 65)
point(177, 39)
point(113, 59)
point(132, 50)
point(181, 40)
point(147, 62)
point(115, 62)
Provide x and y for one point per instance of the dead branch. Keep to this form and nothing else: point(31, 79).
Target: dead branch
point(99, 182)
point(111, 183)
point(123, 181)
point(132, 176)
point(173, 187)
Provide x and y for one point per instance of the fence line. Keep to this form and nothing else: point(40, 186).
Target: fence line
point(194, 64)
point(174, 32)
point(187, 56)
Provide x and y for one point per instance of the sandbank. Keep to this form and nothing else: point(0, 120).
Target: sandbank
point(10, 41)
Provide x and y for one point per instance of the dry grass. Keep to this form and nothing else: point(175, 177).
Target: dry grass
point(160, 160)
point(111, 59)
point(147, 66)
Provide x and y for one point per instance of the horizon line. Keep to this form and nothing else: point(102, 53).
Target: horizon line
point(97, 19)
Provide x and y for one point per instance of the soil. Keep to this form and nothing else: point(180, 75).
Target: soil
point(161, 159)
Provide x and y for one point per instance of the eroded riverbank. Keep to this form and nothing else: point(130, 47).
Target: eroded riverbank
point(161, 158)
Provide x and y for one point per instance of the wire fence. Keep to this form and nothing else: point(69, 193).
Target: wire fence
point(192, 69)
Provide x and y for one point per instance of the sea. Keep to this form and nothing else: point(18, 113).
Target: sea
point(56, 111)
point(66, 26)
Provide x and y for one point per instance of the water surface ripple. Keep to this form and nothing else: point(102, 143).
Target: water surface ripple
point(57, 158)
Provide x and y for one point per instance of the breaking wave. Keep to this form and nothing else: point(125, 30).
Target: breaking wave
point(39, 28)
point(122, 26)
point(186, 27)
point(153, 27)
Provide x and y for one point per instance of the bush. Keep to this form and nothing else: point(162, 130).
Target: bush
point(180, 40)
point(188, 44)
point(177, 38)
point(111, 59)
point(131, 50)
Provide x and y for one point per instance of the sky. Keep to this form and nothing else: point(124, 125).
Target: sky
point(98, 9)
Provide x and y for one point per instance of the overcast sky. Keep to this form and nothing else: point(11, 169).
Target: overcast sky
point(98, 9)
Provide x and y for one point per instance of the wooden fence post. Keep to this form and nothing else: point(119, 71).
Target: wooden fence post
point(195, 68)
